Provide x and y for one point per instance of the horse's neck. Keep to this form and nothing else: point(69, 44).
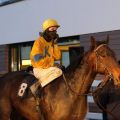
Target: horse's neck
point(82, 79)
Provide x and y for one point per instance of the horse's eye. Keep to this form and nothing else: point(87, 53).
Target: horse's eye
point(108, 53)
point(103, 55)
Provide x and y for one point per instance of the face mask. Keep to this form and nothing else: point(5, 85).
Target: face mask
point(50, 35)
point(53, 34)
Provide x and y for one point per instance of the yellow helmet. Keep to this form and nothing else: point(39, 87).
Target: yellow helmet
point(49, 23)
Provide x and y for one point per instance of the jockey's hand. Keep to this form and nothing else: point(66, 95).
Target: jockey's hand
point(60, 66)
point(56, 39)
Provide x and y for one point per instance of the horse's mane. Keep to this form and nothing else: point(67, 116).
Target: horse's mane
point(74, 64)
point(81, 59)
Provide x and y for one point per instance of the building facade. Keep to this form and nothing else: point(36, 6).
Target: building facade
point(20, 24)
point(15, 57)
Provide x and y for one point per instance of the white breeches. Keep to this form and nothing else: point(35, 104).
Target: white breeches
point(46, 76)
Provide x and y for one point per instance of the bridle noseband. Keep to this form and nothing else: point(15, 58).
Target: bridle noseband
point(98, 59)
point(109, 75)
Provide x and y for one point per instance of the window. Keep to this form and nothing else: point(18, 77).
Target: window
point(20, 56)
point(65, 58)
point(6, 2)
point(25, 55)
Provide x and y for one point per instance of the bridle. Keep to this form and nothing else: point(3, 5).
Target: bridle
point(109, 76)
point(98, 59)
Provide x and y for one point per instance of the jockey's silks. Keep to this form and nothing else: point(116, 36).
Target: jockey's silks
point(43, 53)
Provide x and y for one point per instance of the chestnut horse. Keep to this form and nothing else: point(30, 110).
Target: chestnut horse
point(62, 99)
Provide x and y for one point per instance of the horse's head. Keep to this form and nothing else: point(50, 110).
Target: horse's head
point(103, 60)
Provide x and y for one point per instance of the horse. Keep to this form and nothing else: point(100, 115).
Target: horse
point(64, 98)
point(107, 99)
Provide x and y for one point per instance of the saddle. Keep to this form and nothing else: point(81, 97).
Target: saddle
point(35, 85)
point(25, 90)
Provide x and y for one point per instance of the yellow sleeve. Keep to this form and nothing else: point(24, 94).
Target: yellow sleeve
point(56, 52)
point(43, 61)
point(37, 48)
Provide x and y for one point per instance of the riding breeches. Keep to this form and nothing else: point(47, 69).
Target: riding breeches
point(46, 76)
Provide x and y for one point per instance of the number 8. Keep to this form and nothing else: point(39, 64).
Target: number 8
point(22, 89)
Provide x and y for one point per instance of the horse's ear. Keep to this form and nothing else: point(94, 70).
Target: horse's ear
point(93, 42)
point(107, 40)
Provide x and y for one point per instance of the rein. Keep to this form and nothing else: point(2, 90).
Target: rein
point(91, 93)
point(108, 77)
point(98, 102)
point(73, 91)
point(105, 67)
point(98, 59)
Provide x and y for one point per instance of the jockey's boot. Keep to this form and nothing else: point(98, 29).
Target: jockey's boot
point(34, 88)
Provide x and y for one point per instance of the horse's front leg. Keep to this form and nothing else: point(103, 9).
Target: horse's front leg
point(5, 109)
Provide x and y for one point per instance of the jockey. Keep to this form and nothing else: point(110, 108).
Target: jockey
point(44, 52)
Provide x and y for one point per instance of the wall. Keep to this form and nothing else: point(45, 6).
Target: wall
point(93, 112)
point(4, 59)
point(114, 40)
point(22, 21)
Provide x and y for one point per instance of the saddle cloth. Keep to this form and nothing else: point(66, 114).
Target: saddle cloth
point(45, 76)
